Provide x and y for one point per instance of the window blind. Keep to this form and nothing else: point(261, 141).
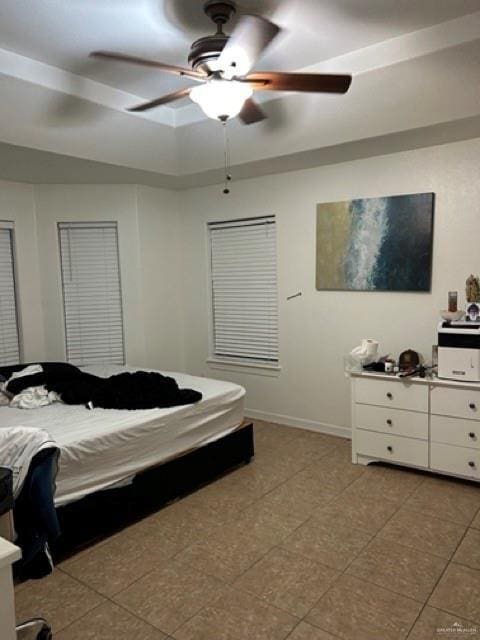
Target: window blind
point(91, 292)
point(9, 337)
point(244, 289)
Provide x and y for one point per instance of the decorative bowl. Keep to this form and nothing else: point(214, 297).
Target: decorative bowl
point(451, 316)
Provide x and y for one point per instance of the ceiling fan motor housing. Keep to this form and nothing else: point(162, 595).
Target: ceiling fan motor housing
point(209, 48)
point(206, 49)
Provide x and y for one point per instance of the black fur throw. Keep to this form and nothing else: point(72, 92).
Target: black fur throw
point(139, 390)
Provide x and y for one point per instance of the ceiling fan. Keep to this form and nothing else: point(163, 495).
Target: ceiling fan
point(222, 64)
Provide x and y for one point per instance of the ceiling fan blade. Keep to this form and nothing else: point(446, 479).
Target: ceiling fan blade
point(251, 112)
point(169, 97)
point(308, 82)
point(169, 68)
point(250, 37)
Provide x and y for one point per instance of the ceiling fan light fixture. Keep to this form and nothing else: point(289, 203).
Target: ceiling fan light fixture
point(220, 99)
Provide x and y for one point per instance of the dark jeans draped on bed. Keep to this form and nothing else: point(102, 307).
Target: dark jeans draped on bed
point(35, 517)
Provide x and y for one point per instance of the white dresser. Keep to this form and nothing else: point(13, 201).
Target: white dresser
point(8, 554)
point(430, 424)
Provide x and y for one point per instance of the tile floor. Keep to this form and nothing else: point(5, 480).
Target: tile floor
point(299, 544)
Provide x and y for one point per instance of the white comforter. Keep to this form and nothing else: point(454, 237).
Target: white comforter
point(18, 445)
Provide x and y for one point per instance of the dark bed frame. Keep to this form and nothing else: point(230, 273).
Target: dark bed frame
point(101, 514)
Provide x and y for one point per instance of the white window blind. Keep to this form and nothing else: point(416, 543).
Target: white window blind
point(91, 292)
point(9, 338)
point(244, 289)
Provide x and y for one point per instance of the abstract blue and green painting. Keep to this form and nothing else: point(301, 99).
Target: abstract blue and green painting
point(375, 244)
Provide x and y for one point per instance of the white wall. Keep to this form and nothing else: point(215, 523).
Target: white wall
point(160, 262)
point(17, 206)
point(318, 328)
point(60, 203)
point(147, 229)
point(163, 248)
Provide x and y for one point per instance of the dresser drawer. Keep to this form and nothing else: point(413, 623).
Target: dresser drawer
point(392, 421)
point(457, 460)
point(461, 433)
point(392, 448)
point(394, 393)
point(460, 403)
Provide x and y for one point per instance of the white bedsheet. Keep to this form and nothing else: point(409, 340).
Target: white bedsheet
point(102, 447)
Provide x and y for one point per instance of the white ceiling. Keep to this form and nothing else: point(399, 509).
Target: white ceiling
point(415, 64)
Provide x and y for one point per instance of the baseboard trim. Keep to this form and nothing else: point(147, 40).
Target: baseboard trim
point(300, 423)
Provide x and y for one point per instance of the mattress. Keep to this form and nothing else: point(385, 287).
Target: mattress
point(104, 447)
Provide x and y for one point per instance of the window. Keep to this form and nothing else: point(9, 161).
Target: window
point(91, 292)
point(9, 337)
point(244, 290)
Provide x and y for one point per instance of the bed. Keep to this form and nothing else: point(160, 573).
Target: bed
point(117, 466)
point(105, 448)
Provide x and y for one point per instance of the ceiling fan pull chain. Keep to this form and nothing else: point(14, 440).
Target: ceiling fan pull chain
point(226, 155)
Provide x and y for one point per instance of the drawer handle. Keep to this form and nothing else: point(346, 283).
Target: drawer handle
point(472, 406)
point(471, 435)
point(389, 422)
point(390, 449)
point(471, 464)
point(390, 397)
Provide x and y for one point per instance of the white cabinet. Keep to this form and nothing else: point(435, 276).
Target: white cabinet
point(397, 422)
point(8, 554)
point(428, 424)
point(460, 403)
point(389, 393)
point(392, 448)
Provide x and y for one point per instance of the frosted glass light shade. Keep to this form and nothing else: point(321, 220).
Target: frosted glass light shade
point(221, 98)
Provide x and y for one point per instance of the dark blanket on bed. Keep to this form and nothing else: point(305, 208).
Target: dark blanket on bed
point(138, 390)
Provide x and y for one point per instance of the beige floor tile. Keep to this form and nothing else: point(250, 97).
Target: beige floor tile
point(237, 616)
point(328, 542)
point(301, 495)
point(468, 552)
point(266, 522)
point(438, 625)
point(317, 437)
point(305, 631)
point(425, 533)
point(258, 425)
point(458, 592)
point(259, 479)
point(292, 456)
point(110, 622)
point(476, 521)
point(273, 437)
point(401, 569)
point(112, 565)
point(446, 499)
point(342, 452)
point(167, 597)
point(220, 499)
point(58, 598)
point(180, 522)
point(318, 443)
point(288, 581)
point(226, 555)
point(385, 483)
point(366, 514)
point(331, 473)
point(356, 610)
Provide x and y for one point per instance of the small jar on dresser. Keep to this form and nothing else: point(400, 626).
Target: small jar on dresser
point(429, 424)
